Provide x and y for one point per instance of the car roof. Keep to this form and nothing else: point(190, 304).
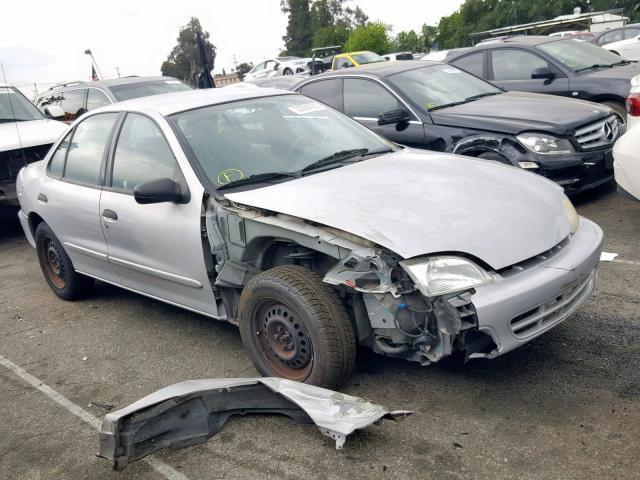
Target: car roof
point(531, 40)
point(169, 103)
point(380, 69)
point(112, 82)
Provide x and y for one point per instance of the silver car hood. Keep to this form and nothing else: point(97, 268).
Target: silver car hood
point(416, 203)
point(32, 133)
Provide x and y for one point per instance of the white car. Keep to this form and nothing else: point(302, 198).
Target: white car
point(25, 137)
point(278, 66)
point(628, 49)
point(626, 165)
point(633, 103)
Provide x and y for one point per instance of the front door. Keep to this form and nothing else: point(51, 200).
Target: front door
point(157, 248)
point(365, 99)
point(512, 68)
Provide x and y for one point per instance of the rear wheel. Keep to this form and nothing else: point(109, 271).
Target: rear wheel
point(294, 326)
point(57, 268)
point(287, 71)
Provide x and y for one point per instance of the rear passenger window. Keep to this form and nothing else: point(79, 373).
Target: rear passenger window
point(473, 63)
point(366, 99)
point(142, 154)
point(325, 91)
point(56, 164)
point(73, 103)
point(96, 99)
point(88, 144)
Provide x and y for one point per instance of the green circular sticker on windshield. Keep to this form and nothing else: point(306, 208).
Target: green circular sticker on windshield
point(229, 175)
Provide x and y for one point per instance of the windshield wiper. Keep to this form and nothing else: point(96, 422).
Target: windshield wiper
point(623, 62)
point(461, 102)
point(337, 157)
point(259, 178)
point(595, 65)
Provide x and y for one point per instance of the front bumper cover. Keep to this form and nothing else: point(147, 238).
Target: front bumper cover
point(529, 301)
point(191, 412)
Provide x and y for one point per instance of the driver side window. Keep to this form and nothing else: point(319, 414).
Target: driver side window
point(142, 154)
point(343, 63)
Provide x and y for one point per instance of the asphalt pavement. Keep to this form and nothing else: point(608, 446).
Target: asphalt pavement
point(565, 406)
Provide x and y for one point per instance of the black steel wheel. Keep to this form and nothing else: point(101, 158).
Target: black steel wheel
point(294, 326)
point(57, 268)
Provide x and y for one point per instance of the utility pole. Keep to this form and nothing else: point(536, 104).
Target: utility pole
point(235, 62)
point(118, 70)
point(88, 52)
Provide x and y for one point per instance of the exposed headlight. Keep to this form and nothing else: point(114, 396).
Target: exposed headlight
point(572, 215)
point(528, 165)
point(545, 144)
point(436, 276)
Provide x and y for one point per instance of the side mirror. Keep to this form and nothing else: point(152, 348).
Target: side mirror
point(543, 72)
point(397, 115)
point(54, 112)
point(275, 67)
point(159, 190)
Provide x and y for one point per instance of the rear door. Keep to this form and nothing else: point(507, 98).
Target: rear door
point(512, 69)
point(70, 195)
point(157, 248)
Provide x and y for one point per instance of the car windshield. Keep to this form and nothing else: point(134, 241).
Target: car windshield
point(146, 89)
point(14, 107)
point(579, 55)
point(282, 134)
point(367, 57)
point(438, 86)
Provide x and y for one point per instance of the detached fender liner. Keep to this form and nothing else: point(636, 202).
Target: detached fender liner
point(191, 412)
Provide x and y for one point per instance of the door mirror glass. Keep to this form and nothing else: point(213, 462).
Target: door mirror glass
point(54, 112)
point(159, 190)
point(542, 72)
point(390, 117)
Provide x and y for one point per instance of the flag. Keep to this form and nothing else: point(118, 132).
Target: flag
point(94, 75)
point(204, 79)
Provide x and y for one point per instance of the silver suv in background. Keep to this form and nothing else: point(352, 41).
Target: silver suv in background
point(76, 98)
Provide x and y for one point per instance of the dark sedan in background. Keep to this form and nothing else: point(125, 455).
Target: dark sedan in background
point(566, 67)
point(440, 107)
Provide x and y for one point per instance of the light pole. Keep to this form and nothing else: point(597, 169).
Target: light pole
point(88, 52)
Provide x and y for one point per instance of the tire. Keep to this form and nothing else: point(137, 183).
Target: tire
point(619, 108)
point(287, 71)
point(315, 341)
point(57, 268)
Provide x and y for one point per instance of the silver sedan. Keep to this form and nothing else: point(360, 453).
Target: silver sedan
point(278, 214)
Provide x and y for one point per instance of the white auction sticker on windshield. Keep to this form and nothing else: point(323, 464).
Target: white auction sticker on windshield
point(172, 82)
point(307, 108)
point(451, 70)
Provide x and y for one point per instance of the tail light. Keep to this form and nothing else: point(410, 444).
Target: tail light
point(633, 104)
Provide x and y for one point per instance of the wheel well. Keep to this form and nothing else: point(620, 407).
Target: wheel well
point(34, 221)
point(274, 253)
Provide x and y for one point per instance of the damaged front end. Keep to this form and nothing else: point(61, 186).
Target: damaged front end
point(191, 412)
point(398, 319)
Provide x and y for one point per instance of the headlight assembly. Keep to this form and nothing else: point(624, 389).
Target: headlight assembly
point(435, 276)
point(572, 215)
point(545, 144)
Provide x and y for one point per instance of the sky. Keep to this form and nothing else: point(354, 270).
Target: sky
point(43, 42)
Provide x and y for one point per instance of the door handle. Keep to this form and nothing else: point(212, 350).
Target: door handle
point(109, 214)
point(42, 198)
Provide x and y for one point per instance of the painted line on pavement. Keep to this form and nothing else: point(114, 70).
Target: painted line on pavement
point(158, 465)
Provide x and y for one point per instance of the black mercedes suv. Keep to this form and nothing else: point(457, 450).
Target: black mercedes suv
point(440, 107)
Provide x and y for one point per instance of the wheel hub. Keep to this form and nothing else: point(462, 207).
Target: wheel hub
point(286, 338)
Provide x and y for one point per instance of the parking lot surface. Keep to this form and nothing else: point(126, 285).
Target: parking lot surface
point(565, 406)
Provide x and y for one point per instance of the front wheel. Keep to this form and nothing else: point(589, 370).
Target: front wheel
point(294, 326)
point(287, 71)
point(57, 268)
point(619, 108)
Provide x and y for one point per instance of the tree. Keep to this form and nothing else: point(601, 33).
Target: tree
point(407, 41)
point(428, 37)
point(373, 36)
point(184, 62)
point(299, 36)
point(243, 68)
